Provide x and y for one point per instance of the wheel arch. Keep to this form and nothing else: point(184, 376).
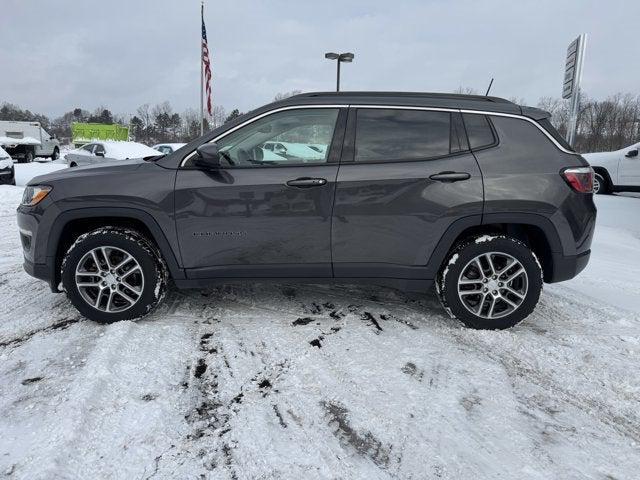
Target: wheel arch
point(605, 174)
point(72, 223)
point(534, 230)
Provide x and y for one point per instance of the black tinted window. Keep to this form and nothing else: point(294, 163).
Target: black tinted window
point(479, 130)
point(384, 135)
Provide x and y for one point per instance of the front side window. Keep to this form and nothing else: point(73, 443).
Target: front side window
point(89, 148)
point(283, 138)
point(99, 149)
point(401, 135)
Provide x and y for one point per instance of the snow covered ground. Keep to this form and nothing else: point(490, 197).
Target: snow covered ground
point(292, 382)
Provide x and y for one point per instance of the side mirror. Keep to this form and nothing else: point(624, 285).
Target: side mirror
point(100, 154)
point(208, 156)
point(632, 153)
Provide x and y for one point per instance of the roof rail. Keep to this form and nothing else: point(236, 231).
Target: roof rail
point(452, 96)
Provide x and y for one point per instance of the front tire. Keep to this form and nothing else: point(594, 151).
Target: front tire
point(490, 282)
point(56, 154)
point(600, 185)
point(113, 274)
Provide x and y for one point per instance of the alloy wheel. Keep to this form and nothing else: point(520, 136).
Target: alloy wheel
point(493, 285)
point(109, 279)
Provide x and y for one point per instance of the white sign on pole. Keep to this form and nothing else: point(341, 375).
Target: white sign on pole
point(572, 79)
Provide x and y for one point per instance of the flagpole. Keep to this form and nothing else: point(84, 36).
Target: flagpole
point(201, 75)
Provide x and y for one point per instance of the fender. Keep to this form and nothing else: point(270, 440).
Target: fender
point(122, 212)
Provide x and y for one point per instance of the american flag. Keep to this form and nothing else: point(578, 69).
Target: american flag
point(206, 63)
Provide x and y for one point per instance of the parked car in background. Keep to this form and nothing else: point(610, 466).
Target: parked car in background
point(168, 148)
point(294, 150)
point(100, 152)
point(617, 171)
point(7, 172)
point(473, 193)
point(26, 140)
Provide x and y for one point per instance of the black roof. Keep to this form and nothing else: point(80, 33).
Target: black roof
point(421, 99)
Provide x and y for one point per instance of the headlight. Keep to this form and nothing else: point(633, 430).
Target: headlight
point(5, 163)
point(33, 195)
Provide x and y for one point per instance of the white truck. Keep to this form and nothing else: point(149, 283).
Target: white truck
point(26, 140)
point(617, 171)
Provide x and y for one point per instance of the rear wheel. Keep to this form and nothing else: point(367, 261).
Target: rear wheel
point(56, 154)
point(114, 274)
point(490, 282)
point(28, 156)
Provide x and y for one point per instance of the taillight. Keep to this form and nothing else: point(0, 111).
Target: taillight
point(579, 178)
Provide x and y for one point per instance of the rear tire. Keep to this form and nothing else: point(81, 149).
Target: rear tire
point(601, 185)
point(104, 292)
point(475, 284)
point(28, 156)
point(56, 154)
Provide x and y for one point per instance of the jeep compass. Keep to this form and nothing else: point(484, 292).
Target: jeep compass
point(476, 195)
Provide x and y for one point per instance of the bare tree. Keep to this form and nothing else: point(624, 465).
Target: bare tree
point(283, 95)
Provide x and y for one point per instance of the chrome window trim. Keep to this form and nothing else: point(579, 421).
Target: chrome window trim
point(258, 117)
point(477, 112)
point(392, 107)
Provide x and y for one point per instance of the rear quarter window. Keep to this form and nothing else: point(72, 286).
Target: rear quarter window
point(479, 131)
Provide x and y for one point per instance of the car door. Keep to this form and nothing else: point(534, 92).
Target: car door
point(406, 176)
point(84, 155)
point(257, 216)
point(100, 154)
point(629, 166)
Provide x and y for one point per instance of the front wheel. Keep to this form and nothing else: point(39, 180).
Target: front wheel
point(490, 282)
point(56, 154)
point(113, 274)
point(600, 185)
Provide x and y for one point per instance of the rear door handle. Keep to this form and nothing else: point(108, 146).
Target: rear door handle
point(450, 176)
point(306, 182)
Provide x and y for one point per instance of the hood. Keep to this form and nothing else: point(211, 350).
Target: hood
point(108, 169)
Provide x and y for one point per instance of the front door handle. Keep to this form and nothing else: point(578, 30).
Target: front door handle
point(306, 182)
point(450, 176)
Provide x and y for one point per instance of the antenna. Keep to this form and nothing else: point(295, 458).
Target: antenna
point(489, 89)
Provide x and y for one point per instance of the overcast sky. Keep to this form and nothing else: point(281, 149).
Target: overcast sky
point(57, 55)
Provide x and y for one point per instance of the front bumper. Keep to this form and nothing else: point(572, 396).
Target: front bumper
point(33, 240)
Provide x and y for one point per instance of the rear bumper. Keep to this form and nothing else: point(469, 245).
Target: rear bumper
point(567, 267)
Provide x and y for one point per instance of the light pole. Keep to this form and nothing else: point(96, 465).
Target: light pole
point(339, 57)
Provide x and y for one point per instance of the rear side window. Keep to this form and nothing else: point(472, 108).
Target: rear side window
point(479, 130)
point(399, 135)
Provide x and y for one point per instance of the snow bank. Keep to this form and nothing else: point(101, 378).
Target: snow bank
point(26, 171)
point(125, 150)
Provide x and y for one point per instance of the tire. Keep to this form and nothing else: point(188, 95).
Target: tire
point(56, 154)
point(28, 156)
point(73, 164)
point(143, 279)
point(476, 311)
point(601, 185)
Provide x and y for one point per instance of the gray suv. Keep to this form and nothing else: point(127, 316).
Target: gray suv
point(475, 194)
